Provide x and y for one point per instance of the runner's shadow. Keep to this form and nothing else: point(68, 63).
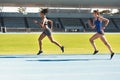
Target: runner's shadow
point(18, 57)
point(54, 59)
point(65, 60)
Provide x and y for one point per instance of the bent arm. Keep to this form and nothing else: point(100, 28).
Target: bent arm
point(36, 22)
point(106, 21)
point(51, 23)
point(91, 23)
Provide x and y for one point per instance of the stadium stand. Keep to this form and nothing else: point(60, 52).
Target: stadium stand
point(31, 25)
point(117, 22)
point(86, 25)
point(57, 25)
point(75, 21)
point(14, 23)
point(0, 24)
point(111, 27)
point(72, 24)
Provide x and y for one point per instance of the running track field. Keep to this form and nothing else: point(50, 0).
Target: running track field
point(59, 67)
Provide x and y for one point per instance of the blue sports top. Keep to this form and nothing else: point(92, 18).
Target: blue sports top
point(98, 25)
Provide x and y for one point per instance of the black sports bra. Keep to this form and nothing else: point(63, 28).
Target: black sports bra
point(46, 23)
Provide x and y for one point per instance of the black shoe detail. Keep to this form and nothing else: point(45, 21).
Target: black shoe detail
point(95, 52)
point(62, 48)
point(111, 56)
point(39, 52)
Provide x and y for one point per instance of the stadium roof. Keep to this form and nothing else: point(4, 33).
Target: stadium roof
point(63, 3)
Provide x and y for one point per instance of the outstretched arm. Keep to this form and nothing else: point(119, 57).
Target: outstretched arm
point(36, 22)
point(91, 23)
point(39, 23)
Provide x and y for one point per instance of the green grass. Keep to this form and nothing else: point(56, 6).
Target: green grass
point(74, 44)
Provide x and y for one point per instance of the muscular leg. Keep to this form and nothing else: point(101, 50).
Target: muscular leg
point(95, 36)
point(106, 43)
point(42, 36)
point(53, 41)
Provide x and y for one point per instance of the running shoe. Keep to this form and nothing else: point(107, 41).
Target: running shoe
point(39, 52)
point(95, 52)
point(111, 56)
point(62, 48)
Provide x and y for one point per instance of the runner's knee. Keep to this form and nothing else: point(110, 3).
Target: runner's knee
point(91, 40)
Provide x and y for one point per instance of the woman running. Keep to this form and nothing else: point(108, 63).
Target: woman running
point(46, 31)
point(97, 23)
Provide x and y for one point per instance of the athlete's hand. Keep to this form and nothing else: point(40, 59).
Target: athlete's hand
point(51, 29)
point(90, 22)
point(103, 28)
point(35, 21)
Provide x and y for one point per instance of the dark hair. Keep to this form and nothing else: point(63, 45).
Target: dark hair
point(44, 11)
point(97, 12)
